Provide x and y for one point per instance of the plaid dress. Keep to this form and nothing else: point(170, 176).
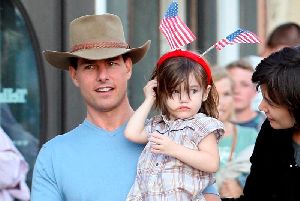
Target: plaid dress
point(164, 178)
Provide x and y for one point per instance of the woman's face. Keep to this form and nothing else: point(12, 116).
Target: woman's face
point(226, 103)
point(278, 115)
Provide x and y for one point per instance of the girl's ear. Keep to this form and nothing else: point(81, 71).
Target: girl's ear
point(206, 92)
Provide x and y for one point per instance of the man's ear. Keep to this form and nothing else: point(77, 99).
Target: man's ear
point(73, 75)
point(128, 65)
point(206, 92)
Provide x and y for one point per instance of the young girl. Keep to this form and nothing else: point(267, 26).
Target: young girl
point(181, 155)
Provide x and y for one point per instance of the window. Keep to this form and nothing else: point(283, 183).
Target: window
point(21, 80)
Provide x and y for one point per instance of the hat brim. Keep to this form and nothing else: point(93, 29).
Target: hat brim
point(61, 60)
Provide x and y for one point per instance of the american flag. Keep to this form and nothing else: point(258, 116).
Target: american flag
point(239, 36)
point(174, 29)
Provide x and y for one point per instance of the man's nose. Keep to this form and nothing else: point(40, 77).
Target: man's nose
point(236, 89)
point(102, 73)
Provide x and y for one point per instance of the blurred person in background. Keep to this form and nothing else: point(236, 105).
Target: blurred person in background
point(284, 35)
point(13, 171)
point(244, 94)
point(236, 145)
point(26, 143)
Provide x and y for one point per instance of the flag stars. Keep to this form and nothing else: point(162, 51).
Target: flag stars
point(172, 10)
point(235, 34)
point(239, 36)
point(174, 29)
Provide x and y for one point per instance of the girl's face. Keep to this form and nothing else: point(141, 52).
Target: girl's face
point(183, 105)
point(226, 102)
point(278, 115)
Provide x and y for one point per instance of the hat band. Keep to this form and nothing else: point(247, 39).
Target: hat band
point(93, 45)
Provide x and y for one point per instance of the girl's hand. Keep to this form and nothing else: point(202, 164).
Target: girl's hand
point(149, 90)
point(162, 144)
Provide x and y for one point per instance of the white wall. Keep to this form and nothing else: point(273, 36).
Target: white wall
point(227, 23)
point(100, 7)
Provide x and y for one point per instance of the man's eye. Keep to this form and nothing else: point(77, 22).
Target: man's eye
point(227, 94)
point(89, 67)
point(111, 63)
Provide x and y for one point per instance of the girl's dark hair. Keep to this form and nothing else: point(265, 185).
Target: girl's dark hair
point(174, 71)
point(280, 73)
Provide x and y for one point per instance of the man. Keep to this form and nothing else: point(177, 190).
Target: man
point(284, 35)
point(93, 161)
point(244, 94)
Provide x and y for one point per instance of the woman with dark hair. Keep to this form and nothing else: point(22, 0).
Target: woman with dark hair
point(275, 170)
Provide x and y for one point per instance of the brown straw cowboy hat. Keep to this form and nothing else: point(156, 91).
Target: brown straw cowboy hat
point(96, 37)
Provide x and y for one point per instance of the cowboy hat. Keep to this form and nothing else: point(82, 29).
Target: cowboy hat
point(96, 37)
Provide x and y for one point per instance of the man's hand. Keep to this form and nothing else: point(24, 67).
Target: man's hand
point(231, 189)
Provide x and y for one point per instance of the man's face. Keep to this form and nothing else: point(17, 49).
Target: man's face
point(244, 89)
point(102, 83)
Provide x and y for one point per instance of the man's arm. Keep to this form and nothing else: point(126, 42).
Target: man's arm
point(211, 194)
point(44, 186)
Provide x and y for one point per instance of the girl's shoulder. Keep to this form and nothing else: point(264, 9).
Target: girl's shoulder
point(202, 120)
point(157, 119)
point(206, 124)
point(198, 122)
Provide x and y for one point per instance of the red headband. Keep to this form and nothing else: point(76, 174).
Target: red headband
point(187, 54)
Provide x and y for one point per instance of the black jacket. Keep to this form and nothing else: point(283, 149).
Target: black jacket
point(274, 175)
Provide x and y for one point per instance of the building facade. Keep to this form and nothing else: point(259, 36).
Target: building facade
point(38, 102)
